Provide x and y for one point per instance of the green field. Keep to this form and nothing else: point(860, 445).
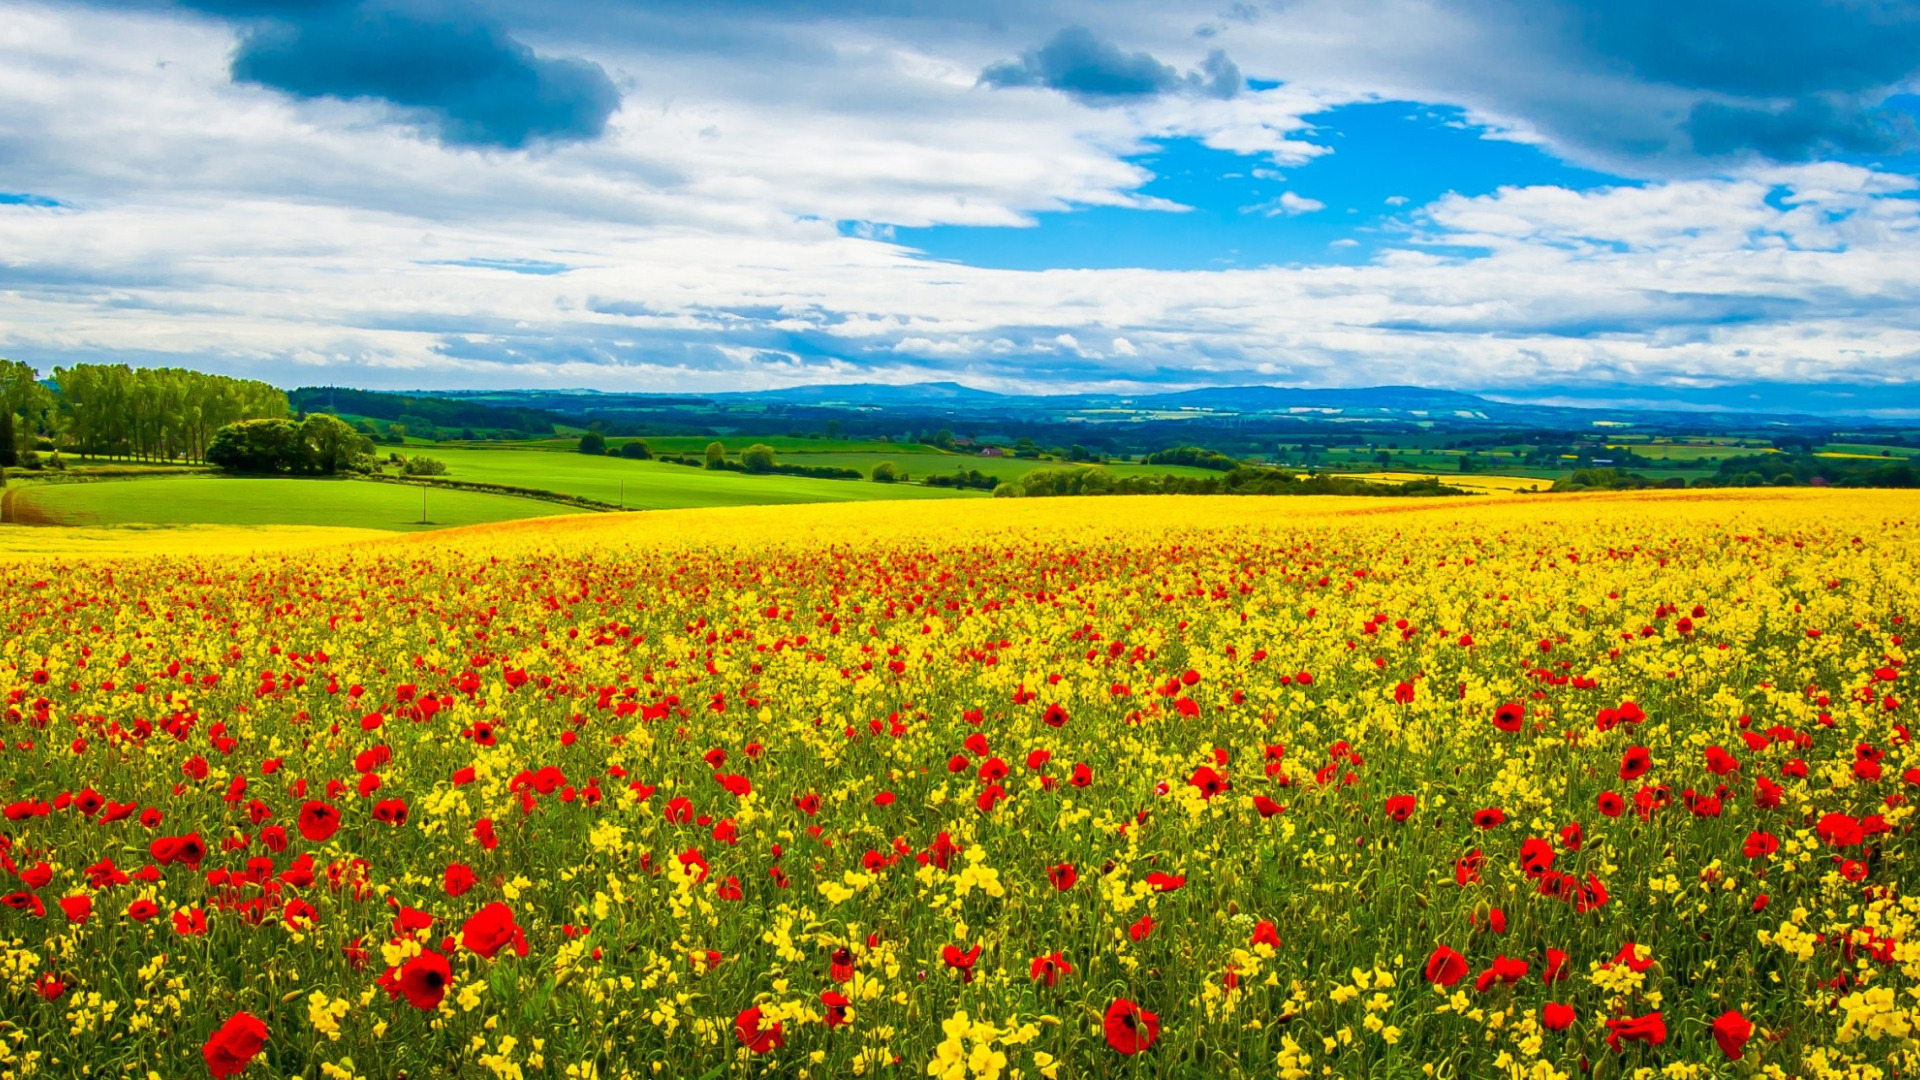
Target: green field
point(696, 445)
point(654, 485)
point(221, 501)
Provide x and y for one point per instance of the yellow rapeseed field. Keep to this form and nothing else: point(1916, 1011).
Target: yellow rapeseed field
point(1522, 787)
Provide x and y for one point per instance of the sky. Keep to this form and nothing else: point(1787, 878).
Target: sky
point(1551, 199)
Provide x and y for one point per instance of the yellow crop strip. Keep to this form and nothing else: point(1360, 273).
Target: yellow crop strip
point(1516, 786)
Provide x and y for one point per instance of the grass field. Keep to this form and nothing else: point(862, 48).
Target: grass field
point(696, 445)
point(653, 485)
point(223, 501)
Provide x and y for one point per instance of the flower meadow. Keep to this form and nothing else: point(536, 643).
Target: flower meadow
point(1613, 786)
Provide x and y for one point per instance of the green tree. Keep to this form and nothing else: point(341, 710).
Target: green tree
point(716, 454)
point(757, 458)
point(256, 446)
point(886, 473)
point(592, 443)
point(635, 450)
point(330, 445)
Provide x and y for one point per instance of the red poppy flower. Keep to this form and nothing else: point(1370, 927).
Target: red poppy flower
point(1401, 807)
point(1840, 830)
point(1556, 1017)
point(1466, 869)
point(318, 821)
point(834, 1005)
point(1048, 969)
point(391, 811)
point(1062, 876)
point(1635, 763)
point(1055, 716)
point(1446, 966)
point(1267, 806)
point(758, 1039)
point(1759, 845)
point(1650, 1029)
point(1129, 1028)
point(1731, 1031)
point(1142, 929)
point(1489, 817)
point(77, 909)
point(424, 980)
point(1611, 804)
point(1209, 782)
point(491, 929)
point(1510, 717)
point(961, 962)
point(1265, 934)
point(458, 879)
point(142, 910)
point(1505, 970)
point(1165, 883)
point(233, 1044)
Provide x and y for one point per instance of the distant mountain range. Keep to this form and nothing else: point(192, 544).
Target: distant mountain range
point(1754, 405)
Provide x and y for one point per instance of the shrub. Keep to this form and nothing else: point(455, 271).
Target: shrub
point(592, 443)
point(635, 450)
point(757, 458)
point(421, 465)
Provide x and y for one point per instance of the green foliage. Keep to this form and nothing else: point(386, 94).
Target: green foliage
point(964, 478)
point(887, 473)
point(592, 443)
point(1244, 480)
point(255, 446)
point(9, 441)
point(757, 458)
point(112, 410)
point(716, 454)
point(420, 465)
point(331, 446)
point(635, 450)
point(320, 444)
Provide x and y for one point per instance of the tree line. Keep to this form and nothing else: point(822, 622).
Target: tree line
point(117, 411)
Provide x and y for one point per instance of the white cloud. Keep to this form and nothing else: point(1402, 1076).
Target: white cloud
point(1287, 204)
point(224, 226)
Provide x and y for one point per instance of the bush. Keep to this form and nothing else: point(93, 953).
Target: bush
point(963, 478)
point(321, 444)
point(716, 455)
point(887, 473)
point(255, 446)
point(592, 443)
point(56, 462)
point(1196, 456)
point(757, 458)
point(30, 459)
point(421, 465)
point(635, 450)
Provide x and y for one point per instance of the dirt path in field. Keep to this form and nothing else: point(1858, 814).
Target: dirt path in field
point(19, 511)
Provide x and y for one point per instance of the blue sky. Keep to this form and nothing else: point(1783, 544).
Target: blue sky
point(1553, 197)
point(1384, 160)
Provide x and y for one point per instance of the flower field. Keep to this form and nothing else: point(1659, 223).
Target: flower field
point(1612, 786)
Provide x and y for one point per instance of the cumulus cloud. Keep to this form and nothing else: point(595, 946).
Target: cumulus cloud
point(729, 226)
point(1287, 204)
point(1083, 65)
point(448, 66)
